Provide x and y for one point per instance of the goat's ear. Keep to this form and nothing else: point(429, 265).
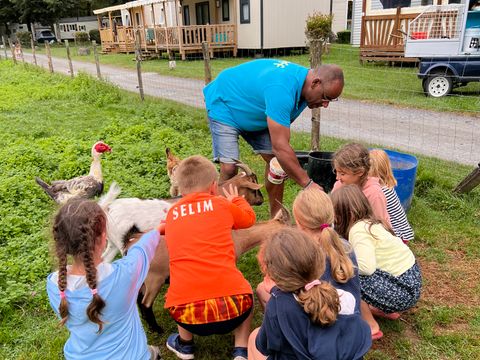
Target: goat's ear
point(253, 186)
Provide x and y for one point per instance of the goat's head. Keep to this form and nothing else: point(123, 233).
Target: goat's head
point(247, 184)
point(172, 164)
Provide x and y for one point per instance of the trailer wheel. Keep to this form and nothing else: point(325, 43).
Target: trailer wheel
point(438, 84)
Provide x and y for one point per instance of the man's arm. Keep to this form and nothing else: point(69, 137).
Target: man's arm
point(280, 137)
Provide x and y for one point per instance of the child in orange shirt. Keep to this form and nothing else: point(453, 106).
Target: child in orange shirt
point(207, 294)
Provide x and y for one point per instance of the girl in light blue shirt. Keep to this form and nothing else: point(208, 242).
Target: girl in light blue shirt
point(96, 301)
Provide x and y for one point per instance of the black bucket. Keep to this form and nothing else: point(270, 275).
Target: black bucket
point(320, 169)
point(302, 157)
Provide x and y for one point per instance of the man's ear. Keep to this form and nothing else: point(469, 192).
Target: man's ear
point(316, 82)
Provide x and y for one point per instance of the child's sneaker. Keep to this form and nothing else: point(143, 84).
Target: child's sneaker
point(240, 353)
point(182, 351)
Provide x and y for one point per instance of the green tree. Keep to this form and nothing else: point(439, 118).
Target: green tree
point(8, 13)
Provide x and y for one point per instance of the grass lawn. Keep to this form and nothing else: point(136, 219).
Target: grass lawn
point(371, 81)
point(48, 126)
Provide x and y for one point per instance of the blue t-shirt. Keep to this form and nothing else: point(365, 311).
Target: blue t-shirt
point(288, 333)
point(122, 336)
point(243, 96)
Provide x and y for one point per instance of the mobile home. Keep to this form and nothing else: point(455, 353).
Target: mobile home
point(67, 27)
point(227, 25)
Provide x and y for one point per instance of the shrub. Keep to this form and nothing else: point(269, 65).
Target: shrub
point(319, 26)
point(95, 35)
point(81, 37)
point(343, 37)
point(23, 37)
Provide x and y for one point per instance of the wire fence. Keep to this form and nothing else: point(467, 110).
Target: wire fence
point(382, 103)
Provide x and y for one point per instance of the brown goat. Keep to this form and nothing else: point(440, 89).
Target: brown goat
point(246, 181)
point(244, 240)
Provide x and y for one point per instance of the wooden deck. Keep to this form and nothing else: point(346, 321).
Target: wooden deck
point(383, 37)
point(177, 39)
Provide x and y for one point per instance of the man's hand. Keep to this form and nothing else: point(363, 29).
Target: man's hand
point(231, 192)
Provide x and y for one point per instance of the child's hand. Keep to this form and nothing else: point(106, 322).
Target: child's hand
point(161, 227)
point(231, 193)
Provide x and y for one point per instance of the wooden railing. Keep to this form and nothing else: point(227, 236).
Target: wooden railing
point(385, 31)
point(182, 38)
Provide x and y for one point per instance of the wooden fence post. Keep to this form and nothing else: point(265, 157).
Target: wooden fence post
point(138, 58)
point(12, 50)
point(470, 182)
point(20, 52)
point(315, 61)
point(4, 47)
point(32, 43)
point(97, 62)
point(49, 55)
point(70, 66)
point(206, 60)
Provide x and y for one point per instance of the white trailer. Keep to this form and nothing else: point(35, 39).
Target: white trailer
point(67, 27)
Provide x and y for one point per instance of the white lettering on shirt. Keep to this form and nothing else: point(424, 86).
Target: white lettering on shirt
point(192, 209)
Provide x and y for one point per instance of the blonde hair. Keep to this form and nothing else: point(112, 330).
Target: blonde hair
point(355, 158)
point(292, 259)
point(312, 208)
point(195, 174)
point(382, 168)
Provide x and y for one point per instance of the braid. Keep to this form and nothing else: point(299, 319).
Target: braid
point(78, 226)
point(62, 278)
point(88, 244)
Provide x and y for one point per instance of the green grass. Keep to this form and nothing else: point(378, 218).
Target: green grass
point(372, 81)
point(48, 126)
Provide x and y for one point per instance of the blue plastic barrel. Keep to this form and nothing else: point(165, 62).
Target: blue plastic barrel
point(404, 168)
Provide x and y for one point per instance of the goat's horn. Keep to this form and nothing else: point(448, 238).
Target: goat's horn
point(244, 167)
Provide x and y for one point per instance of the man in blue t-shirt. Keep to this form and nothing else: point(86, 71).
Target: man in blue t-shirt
point(258, 100)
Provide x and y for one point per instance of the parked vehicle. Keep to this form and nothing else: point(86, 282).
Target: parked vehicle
point(446, 38)
point(441, 75)
point(45, 35)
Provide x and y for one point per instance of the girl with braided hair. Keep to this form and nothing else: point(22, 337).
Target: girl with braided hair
point(96, 301)
point(305, 318)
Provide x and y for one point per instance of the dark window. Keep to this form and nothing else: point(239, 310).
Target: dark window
point(244, 11)
point(186, 15)
point(454, 1)
point(426, 2)
point(392, 4)
point(203, 13)
point(226, 10)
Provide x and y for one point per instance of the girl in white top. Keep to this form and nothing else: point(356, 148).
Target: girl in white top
point(390, 279)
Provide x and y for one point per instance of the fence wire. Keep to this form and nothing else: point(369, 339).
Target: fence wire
point(383, 103)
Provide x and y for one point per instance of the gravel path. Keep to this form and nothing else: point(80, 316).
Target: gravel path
point(443, 135)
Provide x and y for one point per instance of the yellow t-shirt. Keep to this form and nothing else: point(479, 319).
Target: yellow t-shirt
point(379, 249)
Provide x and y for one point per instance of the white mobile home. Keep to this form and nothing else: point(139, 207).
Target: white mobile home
point(67, 27)
point(227, 25)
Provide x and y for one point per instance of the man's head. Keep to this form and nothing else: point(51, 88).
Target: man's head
point(322, 85)
point(196, 174)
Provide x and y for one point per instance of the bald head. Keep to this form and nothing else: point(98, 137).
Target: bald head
point(329, 73)
point(322, 85)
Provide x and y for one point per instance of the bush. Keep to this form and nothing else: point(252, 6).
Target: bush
point(95, 35)
point(23, 37)
point(81, 37)
point(343, 37)
point(319, 26)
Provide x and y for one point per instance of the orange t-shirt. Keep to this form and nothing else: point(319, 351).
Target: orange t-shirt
point(198, 232)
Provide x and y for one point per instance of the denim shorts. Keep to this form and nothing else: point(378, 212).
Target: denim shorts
point(225, 141)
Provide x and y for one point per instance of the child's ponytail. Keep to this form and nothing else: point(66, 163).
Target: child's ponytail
point(320, 301)
point(340, 263)
point(62, 280)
